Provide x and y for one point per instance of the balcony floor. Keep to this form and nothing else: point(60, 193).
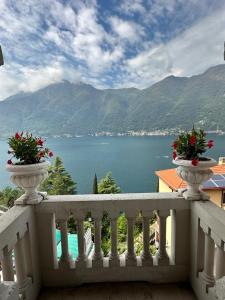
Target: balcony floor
point(121, 291)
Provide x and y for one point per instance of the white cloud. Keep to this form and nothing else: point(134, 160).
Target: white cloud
point(45, 41)
point(30, 79)
point(132, 6)
point(190, 53)
point(127, 30)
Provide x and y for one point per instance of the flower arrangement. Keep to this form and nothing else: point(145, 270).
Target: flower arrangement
point(27, 149)
point(191, 145)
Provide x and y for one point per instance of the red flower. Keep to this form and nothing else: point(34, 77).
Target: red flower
point(174, 145)
point(50, 153)
point(9, 162)
point(40, 142)
point(192, 140)
point(210, 144)
point(194, 162)
point(17, 136)
point(41, 154)
point(174, 155)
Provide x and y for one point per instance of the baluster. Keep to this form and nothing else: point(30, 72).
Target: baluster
point(22, 279)
point(7, 265)
point(81, 260)
point(131, 259)
point(162, 256)
point(97, 259)
point(114, 259)
point(65, 259)
point(146, 256)
point(207, 273)
point(220, 260)
point(27, 253)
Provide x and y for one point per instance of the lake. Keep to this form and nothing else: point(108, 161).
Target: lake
point(132, 160)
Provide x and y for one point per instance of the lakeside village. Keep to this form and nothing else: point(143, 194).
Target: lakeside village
point(158, 132)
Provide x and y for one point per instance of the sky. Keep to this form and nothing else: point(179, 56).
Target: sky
point(107, 43)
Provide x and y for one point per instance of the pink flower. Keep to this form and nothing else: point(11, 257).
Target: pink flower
point(9, 162)
point(194, 162)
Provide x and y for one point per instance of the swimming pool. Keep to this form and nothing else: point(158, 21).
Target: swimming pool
point(72, 244)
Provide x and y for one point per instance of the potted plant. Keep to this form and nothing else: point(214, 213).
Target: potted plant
point(28, 165)
point(193, 167)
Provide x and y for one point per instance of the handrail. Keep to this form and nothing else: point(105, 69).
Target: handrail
point(207, 248)
point(18, 250)
point(57, 210)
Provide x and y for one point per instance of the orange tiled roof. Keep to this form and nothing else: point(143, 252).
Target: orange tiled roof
point(174, 182)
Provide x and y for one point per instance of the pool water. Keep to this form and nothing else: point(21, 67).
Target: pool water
point(72, 244)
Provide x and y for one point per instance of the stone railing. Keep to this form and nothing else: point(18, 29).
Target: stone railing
point(28, 242)
point(19, 252)
point(207, 249)
point(126, 267)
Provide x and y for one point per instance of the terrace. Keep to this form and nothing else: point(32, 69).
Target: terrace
point(195, 256)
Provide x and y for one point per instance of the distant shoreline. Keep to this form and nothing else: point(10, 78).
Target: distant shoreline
point(132, 133)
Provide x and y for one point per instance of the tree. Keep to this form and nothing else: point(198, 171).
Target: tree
point(8, 195)
point(107, 185)
point(95, 185)
point(59, 181)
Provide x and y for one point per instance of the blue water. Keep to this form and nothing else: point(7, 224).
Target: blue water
point(72, 244)
point(132, 160)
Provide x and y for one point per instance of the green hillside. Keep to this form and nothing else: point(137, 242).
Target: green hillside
point(81, 109)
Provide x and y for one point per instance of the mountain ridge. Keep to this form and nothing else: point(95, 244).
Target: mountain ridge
point(81, 109)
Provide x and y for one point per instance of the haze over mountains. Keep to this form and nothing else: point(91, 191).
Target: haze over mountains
point(80, 109)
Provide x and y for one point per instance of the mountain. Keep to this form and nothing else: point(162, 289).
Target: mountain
point(175, 102)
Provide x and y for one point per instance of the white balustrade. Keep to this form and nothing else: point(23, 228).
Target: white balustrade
point(211, 220)
point(130, 256)
point(81, 261)
point(15, 241)
point(65, 259)
point(146, 255)
point(97, 259)
point(207, 273)
point(22, 279)
point(162, 256)
point(94, 267)
point(220, 261)
point(114, 260)
point(7, 265)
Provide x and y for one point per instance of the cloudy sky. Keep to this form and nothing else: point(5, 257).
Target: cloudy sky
point(107, 43)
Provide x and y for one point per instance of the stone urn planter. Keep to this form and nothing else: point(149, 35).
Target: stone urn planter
point(28, 177)
point(194, 176)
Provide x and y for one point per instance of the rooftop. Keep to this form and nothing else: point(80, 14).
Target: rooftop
point(170, 177)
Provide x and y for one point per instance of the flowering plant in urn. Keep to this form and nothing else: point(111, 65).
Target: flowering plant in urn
point(193, 168)
point(28, 165)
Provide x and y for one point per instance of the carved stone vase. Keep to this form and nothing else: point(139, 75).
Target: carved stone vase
point(28, 177)
point(194, 177)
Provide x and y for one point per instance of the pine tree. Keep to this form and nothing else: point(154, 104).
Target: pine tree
point(107, 185)
point(59, 181)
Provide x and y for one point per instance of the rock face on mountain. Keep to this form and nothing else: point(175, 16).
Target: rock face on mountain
point(64, 107)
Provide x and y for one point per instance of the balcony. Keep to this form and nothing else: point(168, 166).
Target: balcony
point(191, 267)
